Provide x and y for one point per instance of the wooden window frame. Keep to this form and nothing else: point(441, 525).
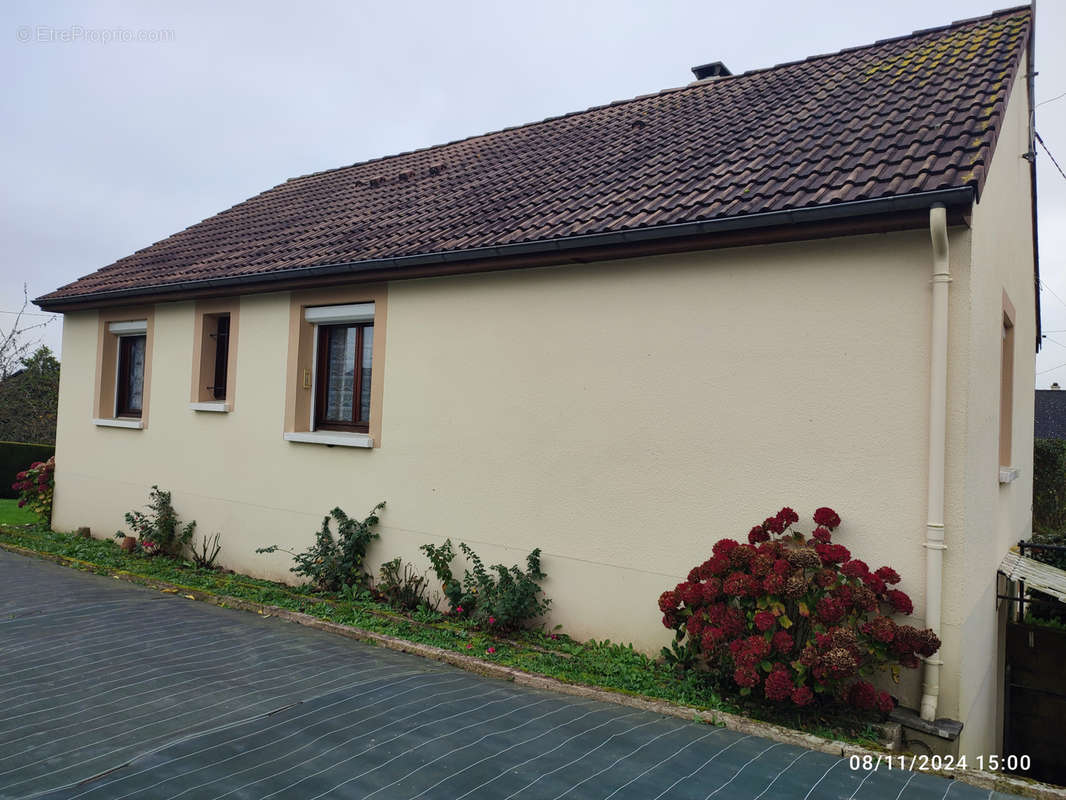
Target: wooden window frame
point(322, 334)
point(214, 356)
point(122, 399)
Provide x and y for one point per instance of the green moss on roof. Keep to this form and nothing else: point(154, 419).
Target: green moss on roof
point(944, 51)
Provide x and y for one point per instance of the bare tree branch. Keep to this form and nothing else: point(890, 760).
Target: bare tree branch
point(19, 341)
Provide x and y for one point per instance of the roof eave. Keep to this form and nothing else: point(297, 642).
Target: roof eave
point(952, 198)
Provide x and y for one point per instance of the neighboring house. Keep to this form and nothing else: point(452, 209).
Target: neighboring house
point(1050, 413)
point(617, 335)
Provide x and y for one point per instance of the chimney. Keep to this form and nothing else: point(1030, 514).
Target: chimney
point(716, 69)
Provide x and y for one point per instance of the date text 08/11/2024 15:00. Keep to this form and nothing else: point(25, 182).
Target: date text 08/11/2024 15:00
point(937, 763)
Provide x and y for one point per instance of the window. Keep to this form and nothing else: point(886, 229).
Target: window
point(129, 395)
point(336, 349)
point(123, 368)
point(221, 337)
point(342, 382)
point(214, 355)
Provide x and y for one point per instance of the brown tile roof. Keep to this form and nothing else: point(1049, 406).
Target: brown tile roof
point(902, 116)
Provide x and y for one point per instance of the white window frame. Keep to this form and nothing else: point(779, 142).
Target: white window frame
point(135, 327)
point(339, 315)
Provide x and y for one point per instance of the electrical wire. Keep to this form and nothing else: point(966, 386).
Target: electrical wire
point(1050, 100)
point(1043, 285)
point(29, 314)
point(1054, 341)
point(1052, 369)
point(1053, 161)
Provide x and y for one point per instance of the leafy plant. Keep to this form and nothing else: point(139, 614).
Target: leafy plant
point(160, 530)
point(793, 617)
point(205, 556)
point(502, 598)
point(332, 564)
point(354, 593)
point(440, 559)
point(401, 585)
point(36, 487)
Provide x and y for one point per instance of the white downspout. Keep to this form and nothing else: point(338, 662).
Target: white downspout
point(938, 393)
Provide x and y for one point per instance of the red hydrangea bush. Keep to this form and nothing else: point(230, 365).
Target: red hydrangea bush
point(793, 617)
point(35, 486)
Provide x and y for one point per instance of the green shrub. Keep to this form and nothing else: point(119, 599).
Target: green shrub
point(16, 457)
point(160, 530)
point(1056, 558)
point(333, 564)
point(502, 601)
point(1049, 485)
point(401, 585)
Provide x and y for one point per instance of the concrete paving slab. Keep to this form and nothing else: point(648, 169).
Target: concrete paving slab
point(115, 691)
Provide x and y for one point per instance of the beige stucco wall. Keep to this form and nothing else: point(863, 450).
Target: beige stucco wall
point(620, 416)
point(994, 516)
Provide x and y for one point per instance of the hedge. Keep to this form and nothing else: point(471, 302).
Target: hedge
point(1049, 485)
point(15, 457)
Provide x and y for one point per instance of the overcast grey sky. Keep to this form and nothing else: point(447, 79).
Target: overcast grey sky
point(109, 146)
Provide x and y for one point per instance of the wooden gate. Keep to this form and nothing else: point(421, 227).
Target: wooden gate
point(1035, 699)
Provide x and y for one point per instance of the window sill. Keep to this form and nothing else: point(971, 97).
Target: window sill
point(213, 406)
point(331, 438)
point(1008, 474)
point(119, 423)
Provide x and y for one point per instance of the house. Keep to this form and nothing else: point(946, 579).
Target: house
point(1049, 413)
point(617, 335)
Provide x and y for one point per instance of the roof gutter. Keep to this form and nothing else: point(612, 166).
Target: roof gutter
point(961, 196)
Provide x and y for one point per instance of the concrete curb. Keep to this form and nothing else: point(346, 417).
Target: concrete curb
point(979, 778)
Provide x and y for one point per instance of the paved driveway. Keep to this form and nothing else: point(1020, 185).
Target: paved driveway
point(113, 691)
